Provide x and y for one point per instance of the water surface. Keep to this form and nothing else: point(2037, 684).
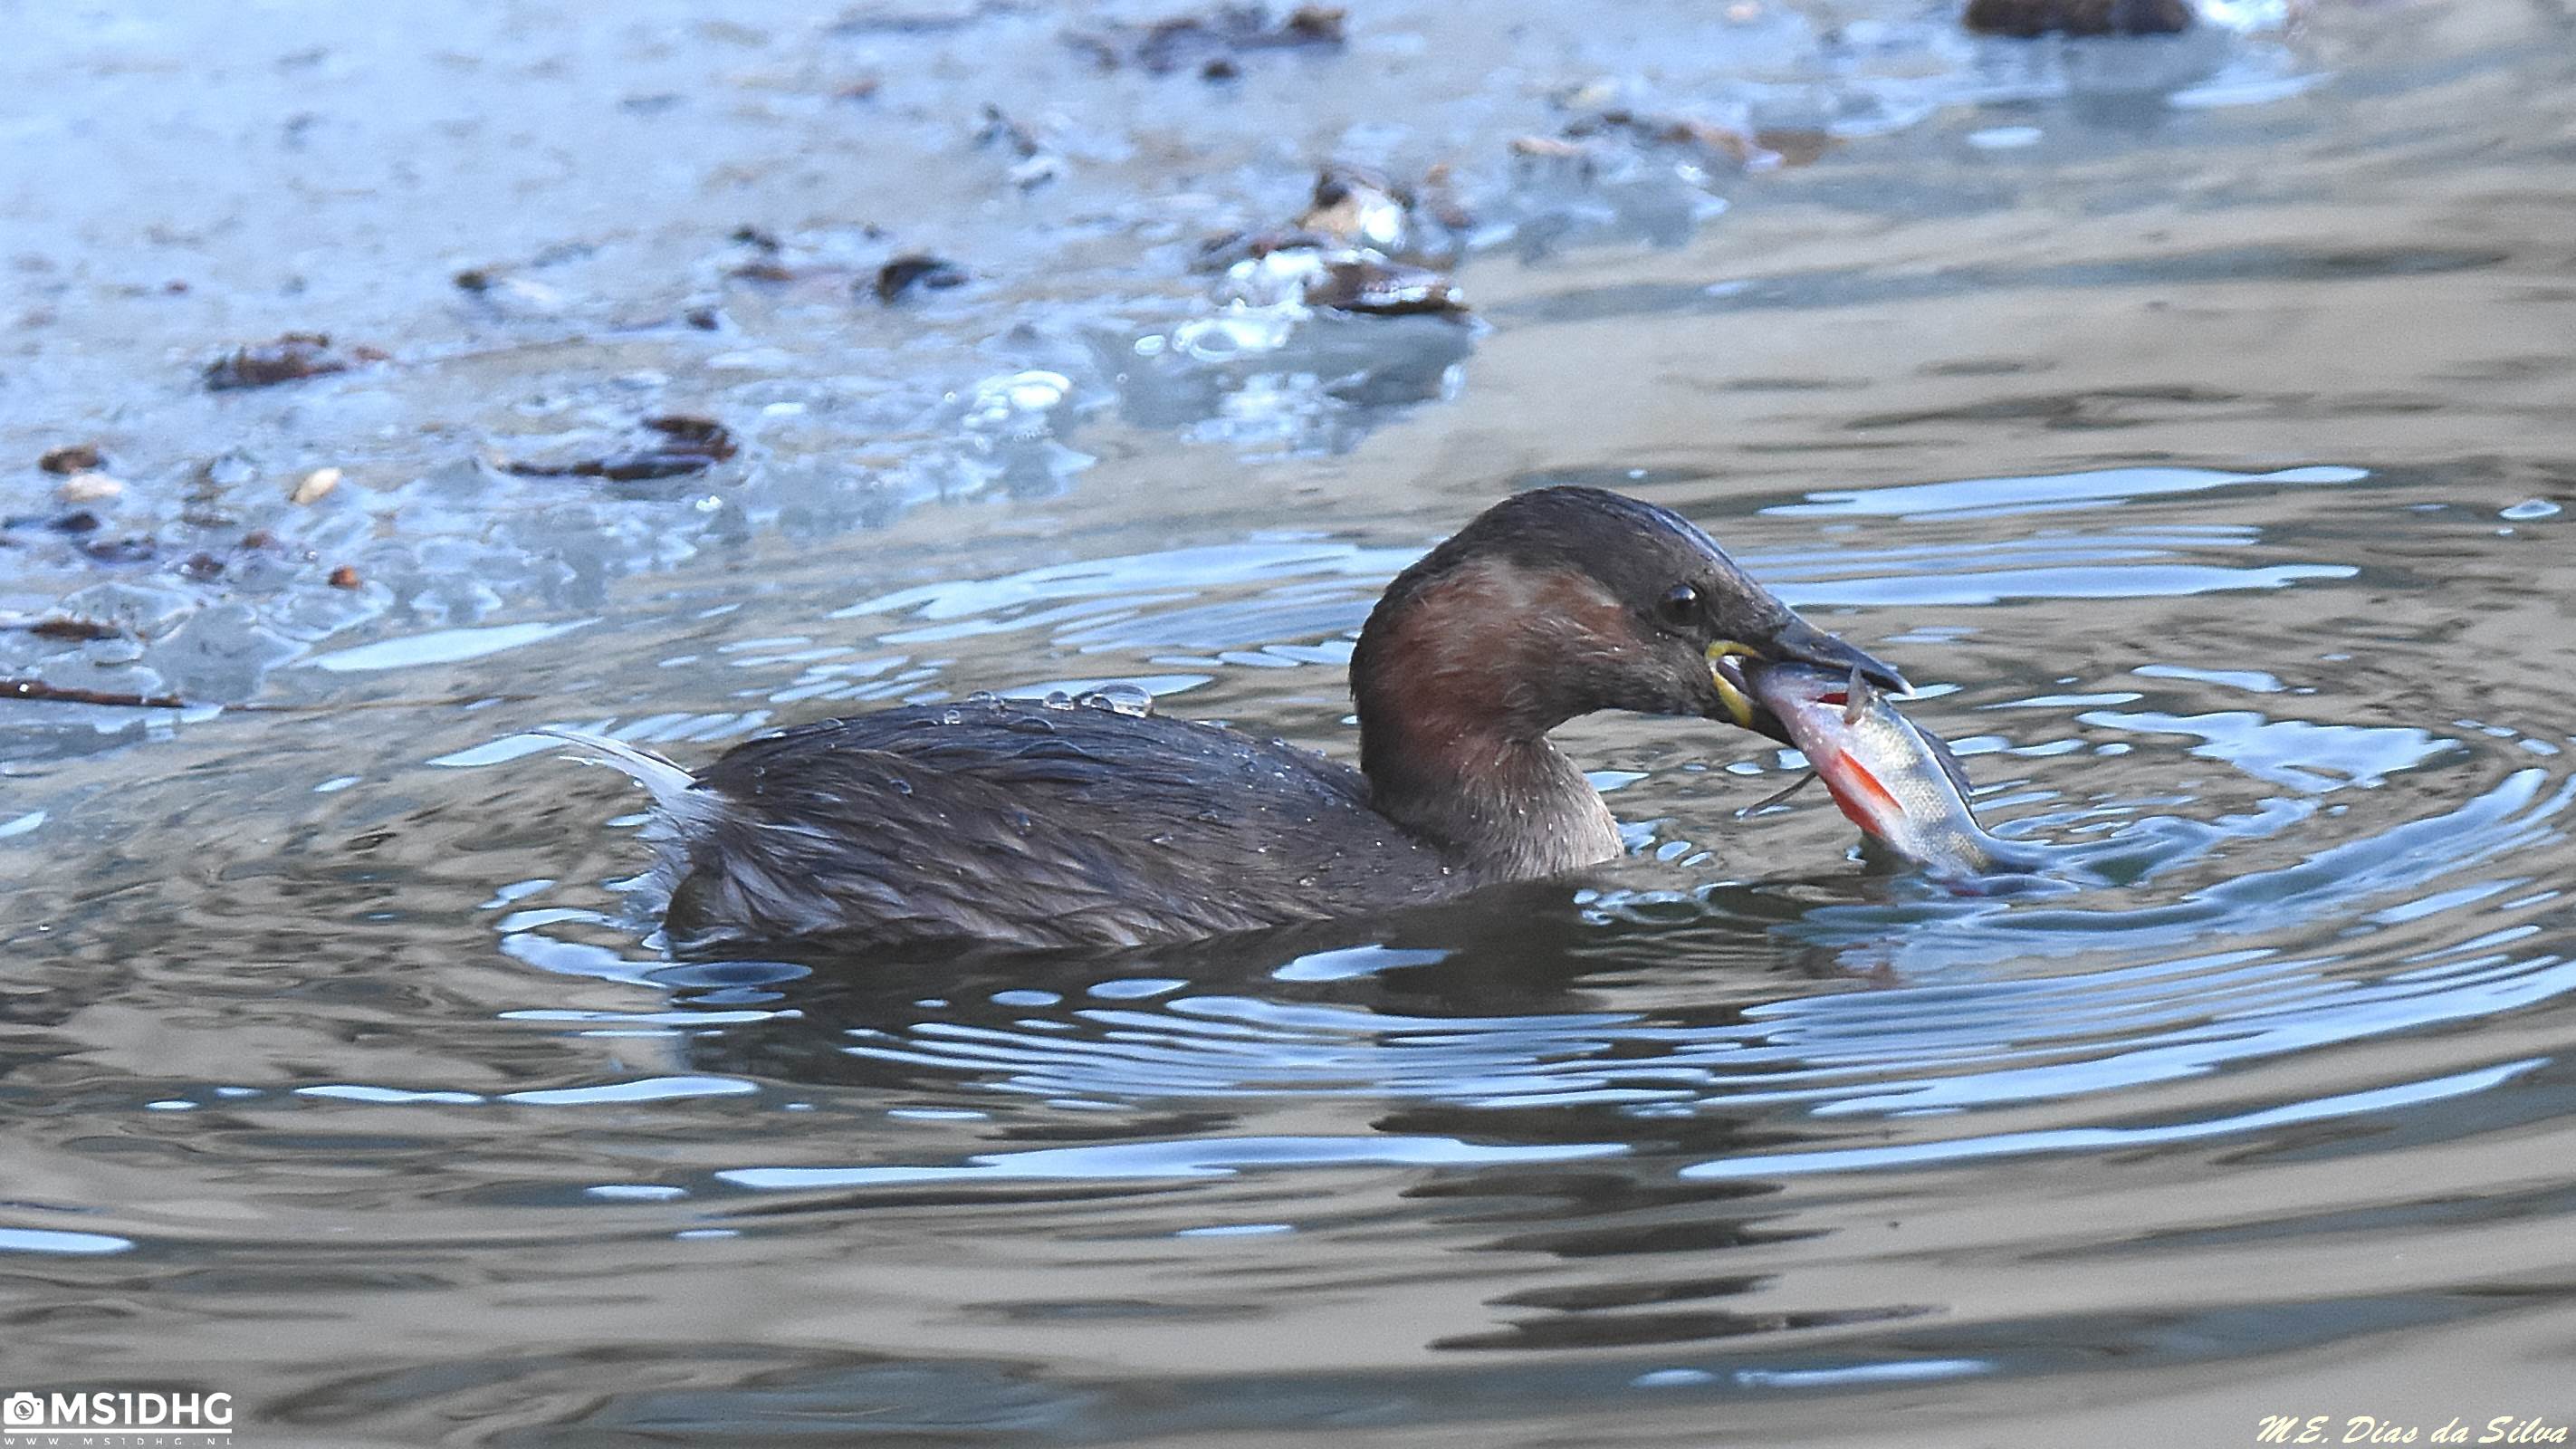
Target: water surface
point(2190, 417)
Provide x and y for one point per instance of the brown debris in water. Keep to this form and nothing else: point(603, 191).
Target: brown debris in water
point(766, 257)
point(66, 627)
point(1553, 156)
point(1036, 165)
point(1438, 196)
point(345, 577)
point(1731, 143)
point(917, 270)
point(1000, 130)
point(132, 548)
point(2029, 19)
point(1377, 288)
point(293, 357)
point(1224, 250)
point(1596, 111)
point(1797, 145)
point(37, 689)
point(678, 444)
point(72, 458)
point(1212, 41)
point(81, 528)
point(1354, 206)
point(1358, 247)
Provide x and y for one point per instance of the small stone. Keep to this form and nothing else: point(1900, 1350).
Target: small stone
point(345, 577)
point(72, 458)
point(90, 488)
point(314, 487)
point(917, 270)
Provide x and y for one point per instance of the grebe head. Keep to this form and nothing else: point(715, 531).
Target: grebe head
point(1559, 602)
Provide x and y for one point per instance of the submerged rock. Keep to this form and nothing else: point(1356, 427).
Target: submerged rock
point(72, 458)
point(917, 270)
point(2028, 19)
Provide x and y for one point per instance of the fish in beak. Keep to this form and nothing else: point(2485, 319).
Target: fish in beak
point(1794, 642)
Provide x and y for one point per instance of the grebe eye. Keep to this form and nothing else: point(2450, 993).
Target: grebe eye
point(1679, 606)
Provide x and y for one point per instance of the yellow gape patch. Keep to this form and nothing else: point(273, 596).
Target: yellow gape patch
point(1737, 706)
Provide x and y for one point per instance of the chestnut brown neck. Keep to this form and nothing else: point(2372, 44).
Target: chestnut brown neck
point(1458, 678)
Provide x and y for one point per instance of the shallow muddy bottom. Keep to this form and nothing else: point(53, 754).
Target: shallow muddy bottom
point(2191, 417)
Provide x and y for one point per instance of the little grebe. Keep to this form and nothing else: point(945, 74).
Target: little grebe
point(1014, 824)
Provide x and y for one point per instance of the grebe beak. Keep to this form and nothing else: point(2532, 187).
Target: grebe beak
point(1794, 642)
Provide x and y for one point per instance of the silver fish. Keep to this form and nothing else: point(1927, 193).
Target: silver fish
point(1891, 779)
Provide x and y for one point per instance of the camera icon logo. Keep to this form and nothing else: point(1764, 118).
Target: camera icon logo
point(22, 1408)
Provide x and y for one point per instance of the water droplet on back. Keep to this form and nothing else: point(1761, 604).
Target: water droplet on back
point(1120, 698)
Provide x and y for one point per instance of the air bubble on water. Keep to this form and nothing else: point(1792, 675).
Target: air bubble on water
point(951, 716)
point(1057, 699)
point(2530, 508)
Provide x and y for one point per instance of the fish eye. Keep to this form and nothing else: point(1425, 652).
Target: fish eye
point(1679, 606)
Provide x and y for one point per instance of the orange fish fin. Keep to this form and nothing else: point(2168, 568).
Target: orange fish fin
point(1864, 801)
